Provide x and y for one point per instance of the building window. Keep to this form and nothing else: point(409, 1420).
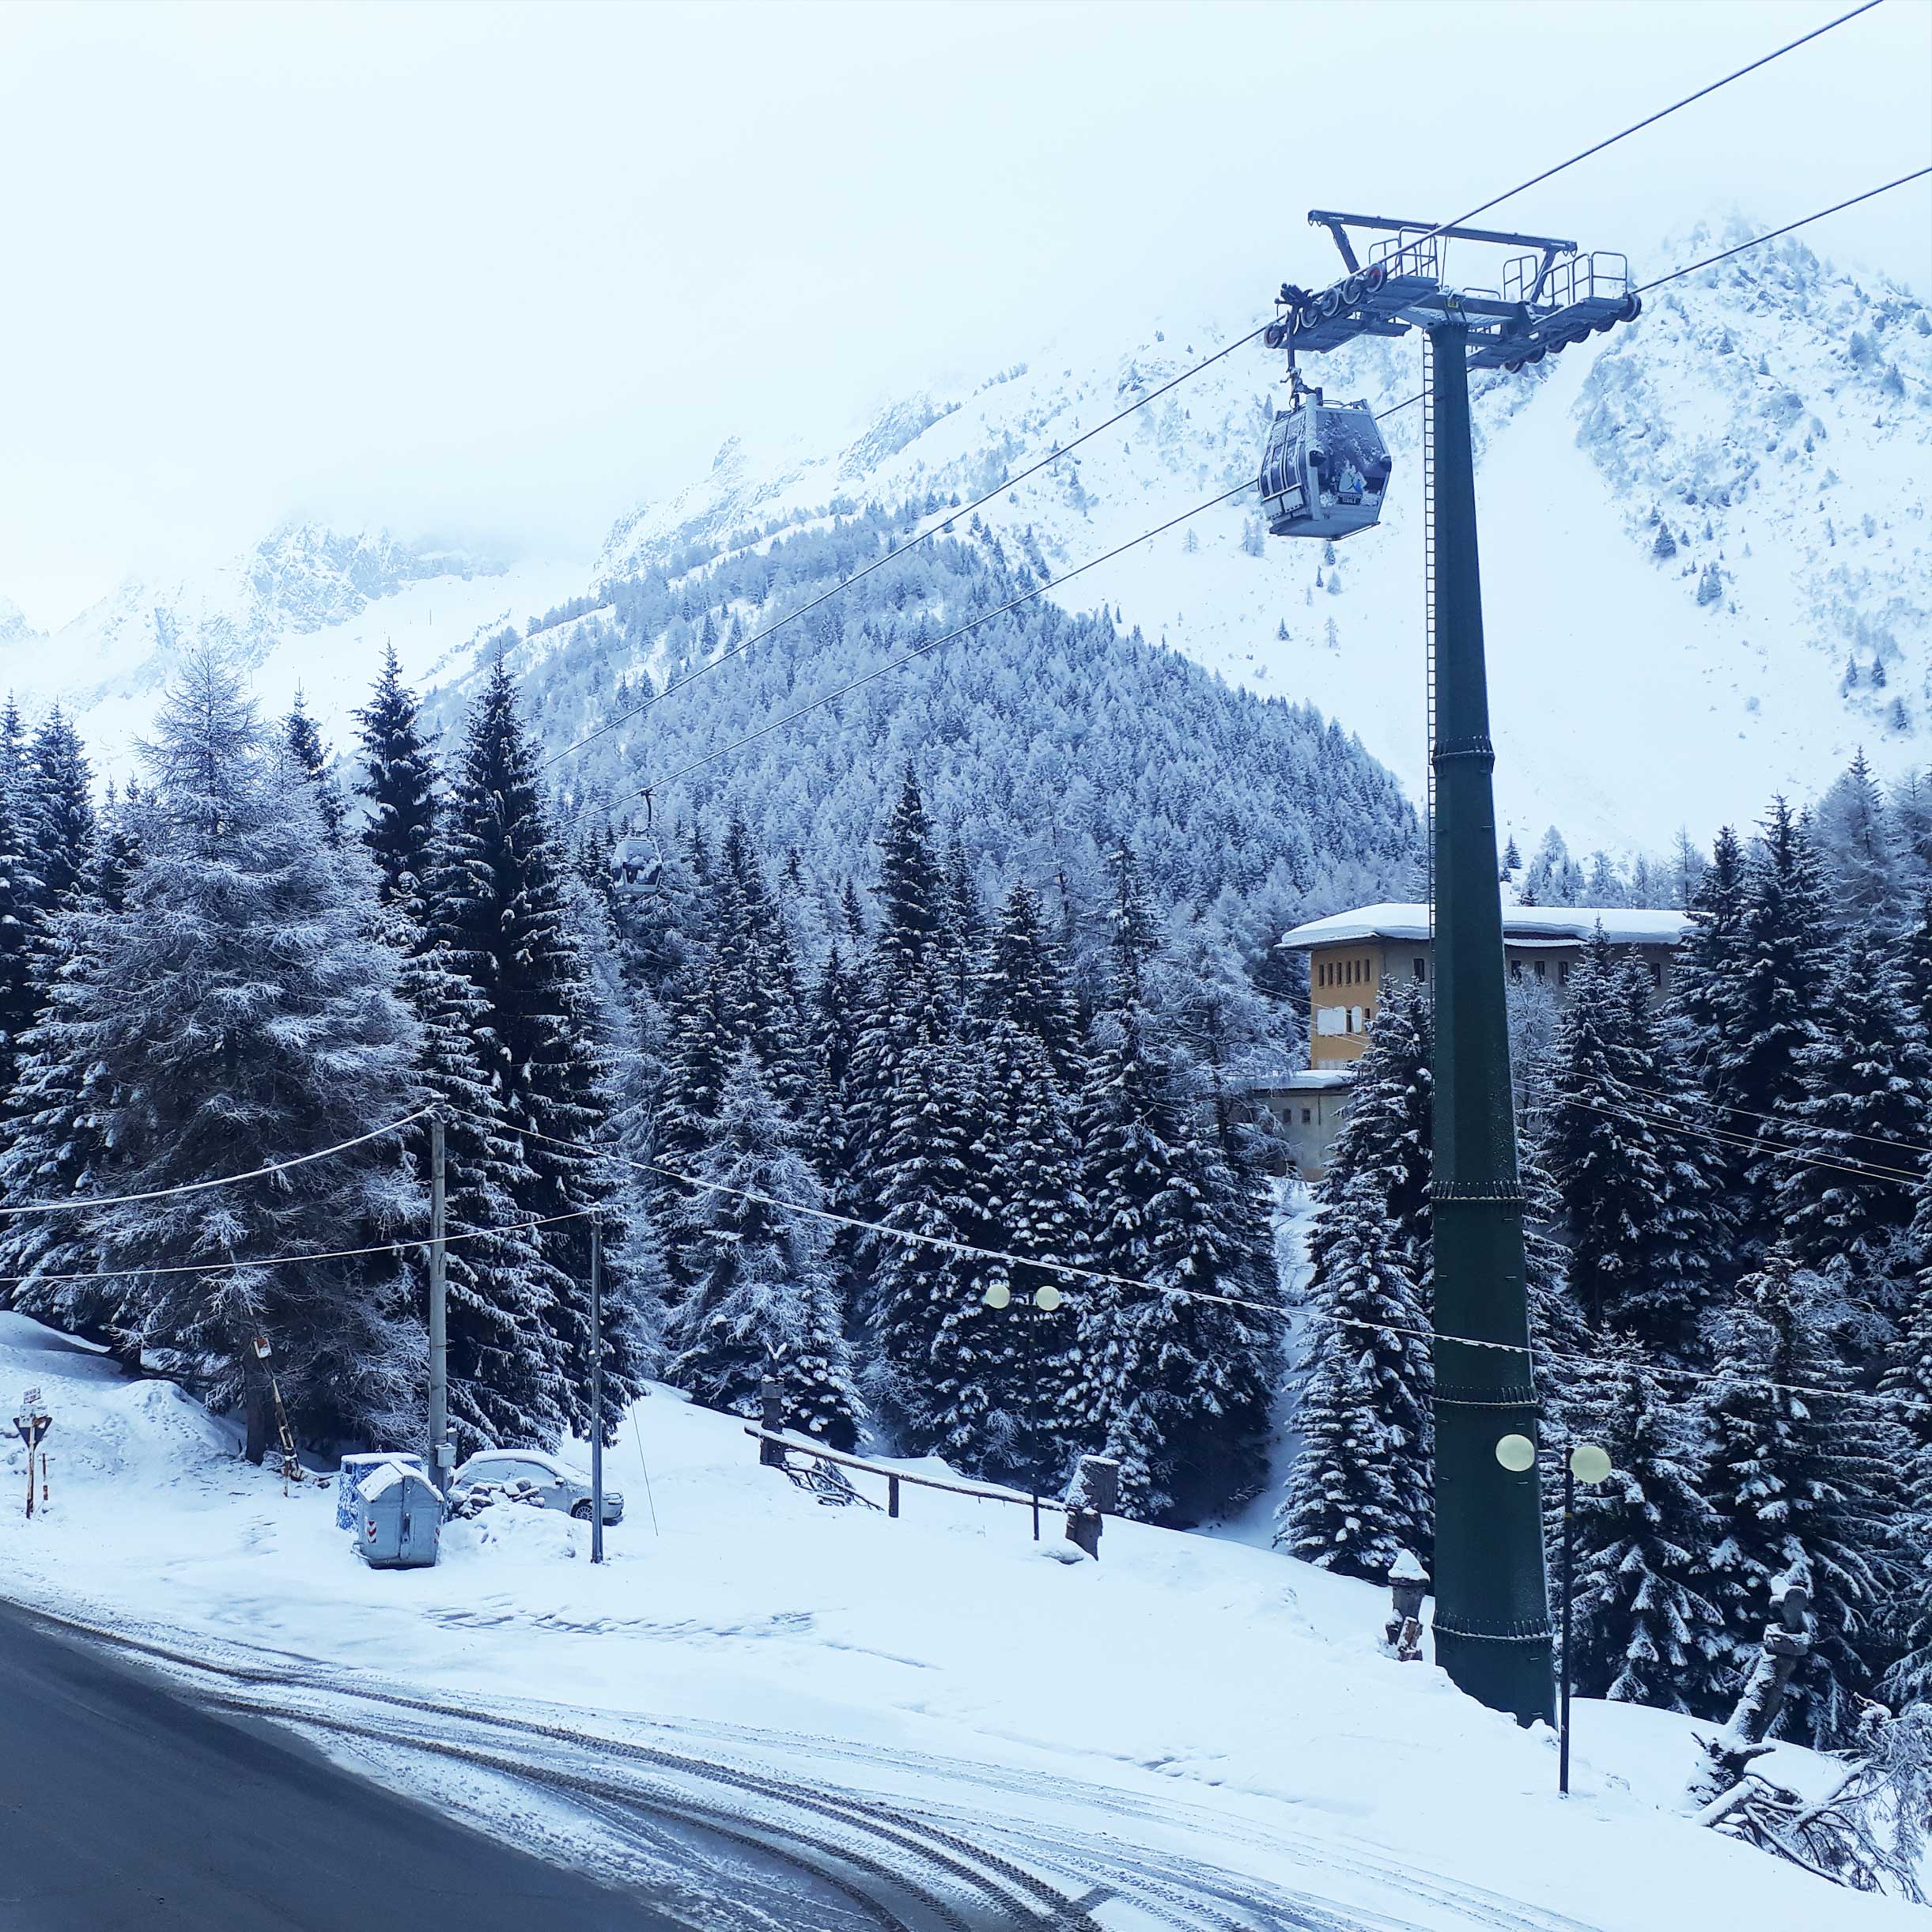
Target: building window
point(1516, 971)
point(1562, 972)
point(1305, 1116)
point(1422, 968)
point(1542, 968)
point(1657, 975)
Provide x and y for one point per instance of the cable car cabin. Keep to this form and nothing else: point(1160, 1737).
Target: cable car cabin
point(1325, 471)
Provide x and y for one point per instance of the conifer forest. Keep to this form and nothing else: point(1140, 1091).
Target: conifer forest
point(822, 1115)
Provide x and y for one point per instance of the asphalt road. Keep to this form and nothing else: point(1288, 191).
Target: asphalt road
point(126, 1808)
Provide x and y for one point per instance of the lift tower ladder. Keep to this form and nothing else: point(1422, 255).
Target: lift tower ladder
point(1493, 1623)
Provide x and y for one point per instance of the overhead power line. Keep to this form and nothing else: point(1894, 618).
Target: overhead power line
point(1649, 120)
point(1275, 1311)
point(1691, 268)
point(1756, 241)
point(87, 1202)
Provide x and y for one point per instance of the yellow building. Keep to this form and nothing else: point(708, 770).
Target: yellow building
point(1353, 956)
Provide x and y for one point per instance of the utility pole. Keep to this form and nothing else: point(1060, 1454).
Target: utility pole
point(596, 1391)
point(441, 1459)
point(1492, 1623)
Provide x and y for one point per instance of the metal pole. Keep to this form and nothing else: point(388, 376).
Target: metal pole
point(597, 1393)
point(1033, 1416)
point(1492, 1623)
point(1569, 1543)
point(440, 1459)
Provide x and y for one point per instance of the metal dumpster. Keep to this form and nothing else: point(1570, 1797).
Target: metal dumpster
point(402, 1519)
point(349, 1485)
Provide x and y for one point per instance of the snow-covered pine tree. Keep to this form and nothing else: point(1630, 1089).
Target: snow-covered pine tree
point(1908, 1381)
point(1866, 1091)
point(1686, 1231)
point(930, 1182)
point(761, 1003)
point(501, 906)
point(1647, 1633)
point(62, 789)
point(506, 1371)
point(1026, 980)
point(1177, 1388)
point(235, 1014)
point(21, 896)
point(1764, 1010)
point(1388, 1132)
point(1914, 955)
point(1602, 1148)
point(52, 1147)
point(1801, 1466)
point(311, 759)
point(761, 1303)
point(399, 782)
point(1709, 957)
point(1362, 1489)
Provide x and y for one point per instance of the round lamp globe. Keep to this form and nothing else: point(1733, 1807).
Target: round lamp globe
point(1589, 1462)
point(1516, 1454)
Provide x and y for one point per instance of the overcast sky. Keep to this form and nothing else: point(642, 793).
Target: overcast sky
point(509, 269)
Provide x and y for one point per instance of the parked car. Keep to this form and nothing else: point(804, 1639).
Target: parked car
point(560, 1486)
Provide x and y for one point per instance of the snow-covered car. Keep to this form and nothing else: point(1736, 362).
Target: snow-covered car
point(560, 1487)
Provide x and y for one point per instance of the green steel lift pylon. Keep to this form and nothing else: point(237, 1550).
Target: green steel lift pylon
point(1493, 1623)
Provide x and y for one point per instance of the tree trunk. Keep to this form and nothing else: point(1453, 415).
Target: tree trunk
point(254, 1409)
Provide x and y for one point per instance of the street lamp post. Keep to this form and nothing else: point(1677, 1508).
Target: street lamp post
point(1043, 1301)
point(1587, 1462)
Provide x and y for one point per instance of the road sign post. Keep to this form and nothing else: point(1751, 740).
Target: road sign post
point(31, 1424)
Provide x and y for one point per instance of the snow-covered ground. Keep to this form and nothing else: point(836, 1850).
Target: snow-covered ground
point(1189, 1712)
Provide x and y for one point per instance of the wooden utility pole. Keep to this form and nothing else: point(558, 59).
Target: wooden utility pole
point(596, 1392)
point(441, 1460)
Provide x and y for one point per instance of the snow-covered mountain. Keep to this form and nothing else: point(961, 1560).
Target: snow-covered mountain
point(1704, 537)
point(1705, 547)
point(308, 607)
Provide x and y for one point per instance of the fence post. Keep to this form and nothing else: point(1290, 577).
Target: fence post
point(771, 1417)
point(1095, 1493)
point(892, 1495)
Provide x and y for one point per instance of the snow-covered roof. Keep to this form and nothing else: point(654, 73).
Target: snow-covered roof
point(1623, 925)
point(1298, 1080)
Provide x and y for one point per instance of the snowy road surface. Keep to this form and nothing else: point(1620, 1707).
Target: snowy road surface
point(127, 1807)
point(720, 1826)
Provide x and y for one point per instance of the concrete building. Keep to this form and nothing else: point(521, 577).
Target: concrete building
point(1352, 956)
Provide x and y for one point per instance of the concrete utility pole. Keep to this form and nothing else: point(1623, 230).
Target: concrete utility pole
point(596, 1392)
point(1493, 1623)
point(441, 1459)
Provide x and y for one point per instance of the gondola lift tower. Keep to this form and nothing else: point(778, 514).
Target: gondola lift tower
point(1326, 473)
